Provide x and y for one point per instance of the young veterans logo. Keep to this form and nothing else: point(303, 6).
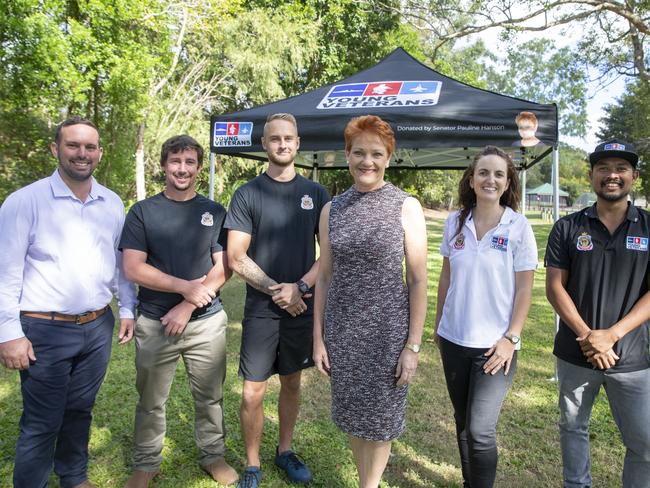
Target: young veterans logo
point(382, 94)
point(636, 243)
point(232, 134)
point(500, 243)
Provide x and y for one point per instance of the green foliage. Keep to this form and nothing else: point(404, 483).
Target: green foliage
point(539, 72)
point(573, 172)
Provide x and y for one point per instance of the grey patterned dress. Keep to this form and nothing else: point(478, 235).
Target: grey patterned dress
point(367, 312)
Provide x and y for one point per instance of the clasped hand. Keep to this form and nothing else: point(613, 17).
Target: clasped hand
point(500, 357)
point(287, 296)
point(197, 293)
point(597, 346)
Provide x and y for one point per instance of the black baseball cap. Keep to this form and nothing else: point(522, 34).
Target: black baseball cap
point(614, 148)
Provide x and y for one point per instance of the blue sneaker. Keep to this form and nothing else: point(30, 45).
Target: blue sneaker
point(250, 478)
point(294, 466)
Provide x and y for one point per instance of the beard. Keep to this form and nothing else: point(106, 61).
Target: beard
point(181, 186)
point(282, 161)
point(73, 174)
point(612, 197)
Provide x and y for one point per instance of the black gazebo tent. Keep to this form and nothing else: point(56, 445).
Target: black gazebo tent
point(438, 121)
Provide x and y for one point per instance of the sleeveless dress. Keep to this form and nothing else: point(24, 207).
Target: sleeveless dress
point(367, 312)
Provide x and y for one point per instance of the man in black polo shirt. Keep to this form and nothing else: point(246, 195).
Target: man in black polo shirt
point(597, 281)
point(174, 247)
point(272, 222)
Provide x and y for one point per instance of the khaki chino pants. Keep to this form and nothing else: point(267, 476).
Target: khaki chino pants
point(202, 345)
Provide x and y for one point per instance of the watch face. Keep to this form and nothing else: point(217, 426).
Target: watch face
point(514, 339)
point(413, 347)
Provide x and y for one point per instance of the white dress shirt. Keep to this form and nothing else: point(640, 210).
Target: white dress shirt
point(59, 254)
point(481, 294)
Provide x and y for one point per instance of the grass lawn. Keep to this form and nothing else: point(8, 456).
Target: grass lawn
point(425, 456)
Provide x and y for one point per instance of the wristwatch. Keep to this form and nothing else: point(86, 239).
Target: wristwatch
point(412, 347)
point(515, 339)
point(302, 286)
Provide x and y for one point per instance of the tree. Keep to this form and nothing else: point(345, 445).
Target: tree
point(538, 72)
point(614, 36)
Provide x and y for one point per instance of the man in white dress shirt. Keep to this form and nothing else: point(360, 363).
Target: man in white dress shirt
point(60, 268)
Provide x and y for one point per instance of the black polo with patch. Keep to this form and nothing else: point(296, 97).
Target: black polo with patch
point(607, 276)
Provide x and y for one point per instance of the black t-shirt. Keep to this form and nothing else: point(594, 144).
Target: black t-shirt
point(607, 276)
point(179, 239)
point(282, 219)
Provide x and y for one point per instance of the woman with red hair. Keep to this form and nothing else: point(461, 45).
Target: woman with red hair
point(368, 321)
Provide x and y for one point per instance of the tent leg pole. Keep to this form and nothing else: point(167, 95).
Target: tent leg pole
point(314, 173)
point(556, 184)
point(523, 191)
point(556, 217)
point(213, 160)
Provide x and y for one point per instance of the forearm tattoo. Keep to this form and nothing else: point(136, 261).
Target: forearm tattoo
point(254, 276)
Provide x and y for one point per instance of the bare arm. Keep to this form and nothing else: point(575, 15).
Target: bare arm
point(443, 288)
point(290, 298)
point(556, 280)
point(415, 250)
point(599, 341)
point(323, 281)
point(251, 273)
point(137, 270)
point(558, 297)
point(501, 353)
point(178, 317)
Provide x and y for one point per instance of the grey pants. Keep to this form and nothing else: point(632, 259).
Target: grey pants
point(202, 345)
point(629, 399)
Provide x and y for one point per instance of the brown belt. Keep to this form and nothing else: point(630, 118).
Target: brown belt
point(80, 319)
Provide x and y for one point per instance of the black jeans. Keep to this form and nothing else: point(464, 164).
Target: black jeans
point(477, 399)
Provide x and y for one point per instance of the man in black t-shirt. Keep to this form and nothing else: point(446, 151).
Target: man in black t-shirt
point(597, 281)
point(272, 222)
point(174, 247)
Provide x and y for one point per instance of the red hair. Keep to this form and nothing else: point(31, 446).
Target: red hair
point(373, 125)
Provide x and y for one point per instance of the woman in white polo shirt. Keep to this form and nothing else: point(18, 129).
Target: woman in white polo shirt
point(484, 295)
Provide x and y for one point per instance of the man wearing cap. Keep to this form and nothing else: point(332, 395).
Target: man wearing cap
point(60, 268)
point(175, 248)
point(597, 281)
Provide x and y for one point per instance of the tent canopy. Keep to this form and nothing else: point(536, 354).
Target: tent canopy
point(545, 189)
point(438, 122)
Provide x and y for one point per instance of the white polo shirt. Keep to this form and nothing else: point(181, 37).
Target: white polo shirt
point(478, 306)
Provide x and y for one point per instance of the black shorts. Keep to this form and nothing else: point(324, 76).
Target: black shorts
point(270, 346)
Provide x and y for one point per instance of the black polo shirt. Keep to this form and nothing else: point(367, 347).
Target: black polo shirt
point(607, 276)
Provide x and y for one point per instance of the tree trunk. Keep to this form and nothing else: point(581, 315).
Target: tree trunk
point(141, 193)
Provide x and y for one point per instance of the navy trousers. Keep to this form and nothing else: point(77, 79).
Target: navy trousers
point(477, 398)
point(59, 392)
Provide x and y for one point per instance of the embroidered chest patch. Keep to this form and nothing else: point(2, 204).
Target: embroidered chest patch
point(459, 243)
point(584, 242)
point(500, 243)
point(207, 219)
point(636, 243)
point(306, 203)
